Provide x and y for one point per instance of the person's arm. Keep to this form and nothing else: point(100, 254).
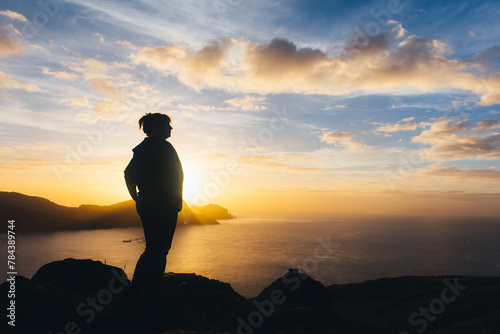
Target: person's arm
point(175, 175)
point(130, 180)
point(181, 181)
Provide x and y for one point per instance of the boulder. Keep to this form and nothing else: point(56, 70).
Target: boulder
point(82, 277)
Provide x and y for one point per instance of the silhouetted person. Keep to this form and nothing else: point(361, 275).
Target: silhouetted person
point(156, 172)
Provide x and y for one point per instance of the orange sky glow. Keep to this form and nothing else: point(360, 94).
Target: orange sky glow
point(276, 115)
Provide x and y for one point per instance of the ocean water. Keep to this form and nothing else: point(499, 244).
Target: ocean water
point(251, 252)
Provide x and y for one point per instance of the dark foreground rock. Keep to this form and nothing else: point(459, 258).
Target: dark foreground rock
point(433, 304)
point(85, 296)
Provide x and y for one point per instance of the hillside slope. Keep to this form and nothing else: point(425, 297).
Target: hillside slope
point(36, 214)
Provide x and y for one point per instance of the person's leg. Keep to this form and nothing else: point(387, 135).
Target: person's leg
point(139, 278)
point(159, 225)
point(141, 268)
point(160, 242)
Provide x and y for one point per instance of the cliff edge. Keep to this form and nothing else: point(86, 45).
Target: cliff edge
point(85, 296)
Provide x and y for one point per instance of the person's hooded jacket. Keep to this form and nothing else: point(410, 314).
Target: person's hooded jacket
point(156, 171)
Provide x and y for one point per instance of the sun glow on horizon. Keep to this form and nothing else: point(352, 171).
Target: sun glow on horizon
point(193, 181)
point(263, 122)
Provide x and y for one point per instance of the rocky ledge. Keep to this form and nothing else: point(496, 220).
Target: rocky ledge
point(84, 296)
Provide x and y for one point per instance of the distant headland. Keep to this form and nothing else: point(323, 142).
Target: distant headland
point(37, 214)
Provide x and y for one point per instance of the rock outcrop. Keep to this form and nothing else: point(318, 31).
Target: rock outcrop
point(212, 210)
point(85, 296)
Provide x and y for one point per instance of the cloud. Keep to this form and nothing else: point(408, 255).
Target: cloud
point(5, 149)
point(117, 95)
point(463, 147)
point(441, 130)
point(9, 47)
point(91, 69)
point(290, 157)
point(195, 107)
point(269, 162)
point(11, 83)
point(343, 139)
point(79, 102)
point(279, 157)
point(486, 125)
point(398, 31)
point(42, 147)
point(61, 74)
point(13, 15)
point(335, 107)
point(488, 56)
point(449, 140)
point(128, 45)
point(385, 64)
point(406, 124)
point(99, 36)
point(106, 88)
point(247, 103)
point(105, 110)
point(491, 89)
point(237, 65)
point(487, 174)
point(165, 58)
point(397, 127)
point(39, 48)
point(217, 156)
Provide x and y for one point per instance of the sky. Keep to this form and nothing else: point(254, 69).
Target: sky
point(338, 107)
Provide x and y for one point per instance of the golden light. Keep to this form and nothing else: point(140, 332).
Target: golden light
point(193, 181)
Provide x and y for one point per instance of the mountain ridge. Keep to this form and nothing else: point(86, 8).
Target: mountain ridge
point(38, 214)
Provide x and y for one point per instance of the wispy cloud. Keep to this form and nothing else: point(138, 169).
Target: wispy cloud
point(194, 107)
point(343, 139)
point(5, 149)
point(13, 15)
point(486, 174)
point(9, 47)
point(270, 162)
point(335, 107)
point(63, 75)
point(11, 83)
point(248, 103)
point(106, 88)
point(217, 156)
point(406, 124)
point(450, 140)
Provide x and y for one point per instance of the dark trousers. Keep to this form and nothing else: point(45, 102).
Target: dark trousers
point(159, 222)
